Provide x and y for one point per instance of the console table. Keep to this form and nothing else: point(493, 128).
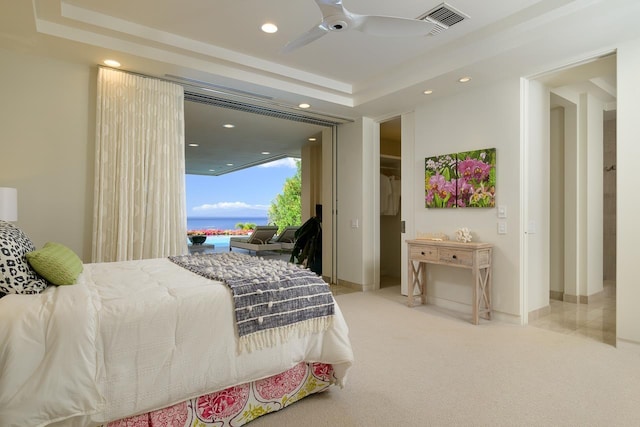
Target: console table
point(473, 256)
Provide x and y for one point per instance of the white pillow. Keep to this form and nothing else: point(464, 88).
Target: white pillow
point(16, 275)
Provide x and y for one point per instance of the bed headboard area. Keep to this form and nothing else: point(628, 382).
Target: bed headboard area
point(27, 270)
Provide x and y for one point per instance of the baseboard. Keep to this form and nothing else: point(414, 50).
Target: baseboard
point(350, 285)
point(541, 312)
point(556, 295)
point(590, 299)
point(583, 299)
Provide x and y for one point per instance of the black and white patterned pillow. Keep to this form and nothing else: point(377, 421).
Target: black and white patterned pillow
point(16, 275)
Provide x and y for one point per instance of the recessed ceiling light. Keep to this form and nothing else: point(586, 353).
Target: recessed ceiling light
point(312, 139)
point(229, 126)
point(428, 92)
point(265, 152)
point(194, 145)
point(212, 170)
point(111, 63)
point(464, 79)
point(229, 164)
point(269, 28)
point(304, 105)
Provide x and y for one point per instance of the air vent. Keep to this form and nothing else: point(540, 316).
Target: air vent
point(444, 16)
point(207, 86)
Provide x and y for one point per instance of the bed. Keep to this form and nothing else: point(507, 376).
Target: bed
point(156, 343)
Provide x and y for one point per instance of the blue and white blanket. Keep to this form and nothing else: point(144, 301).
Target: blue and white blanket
point(273, 299)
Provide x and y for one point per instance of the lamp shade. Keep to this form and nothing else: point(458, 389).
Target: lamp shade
point(8, 204)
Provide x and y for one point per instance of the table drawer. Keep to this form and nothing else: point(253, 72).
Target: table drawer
point(423, 253)
point(456, 256)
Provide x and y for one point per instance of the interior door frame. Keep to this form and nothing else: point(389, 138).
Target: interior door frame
point(407, 147)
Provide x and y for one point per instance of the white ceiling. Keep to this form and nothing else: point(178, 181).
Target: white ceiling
point(218, 44)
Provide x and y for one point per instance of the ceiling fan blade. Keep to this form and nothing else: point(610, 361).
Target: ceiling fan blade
point(330, 7)
point(313, 34)
point(391, 26)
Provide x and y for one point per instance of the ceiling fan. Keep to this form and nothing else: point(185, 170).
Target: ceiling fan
point(335, 17)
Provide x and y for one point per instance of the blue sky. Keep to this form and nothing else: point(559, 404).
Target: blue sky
point(245, 193)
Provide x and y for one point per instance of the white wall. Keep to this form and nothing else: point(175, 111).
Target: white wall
point(628, 232)
point(487, 117)
point(571, 224)
point(595, 195)
point(47, 119)
point(408, 204)
point(371, 200)
point(557, 195)
point(537, 213)
point(350, 203)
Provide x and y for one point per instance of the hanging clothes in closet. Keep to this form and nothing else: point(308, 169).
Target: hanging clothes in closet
point(389, 195)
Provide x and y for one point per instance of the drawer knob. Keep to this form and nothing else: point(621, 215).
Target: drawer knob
point(422, 253)
point(455, 257)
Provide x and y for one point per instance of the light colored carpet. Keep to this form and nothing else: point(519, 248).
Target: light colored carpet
point(423, 366)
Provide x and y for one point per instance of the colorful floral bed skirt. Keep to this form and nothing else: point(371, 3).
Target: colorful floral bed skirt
point(236, 406)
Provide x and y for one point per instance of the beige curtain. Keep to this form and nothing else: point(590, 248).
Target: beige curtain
point(139, 208)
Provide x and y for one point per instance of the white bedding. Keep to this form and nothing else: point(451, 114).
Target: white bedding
point(131, 337)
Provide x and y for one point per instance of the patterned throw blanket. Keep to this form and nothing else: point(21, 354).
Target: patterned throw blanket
point(273, 299)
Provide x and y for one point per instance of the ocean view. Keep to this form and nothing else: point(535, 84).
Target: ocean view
point(222, 223)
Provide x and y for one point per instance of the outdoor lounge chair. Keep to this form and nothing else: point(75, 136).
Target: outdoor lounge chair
point(287, 238)
point(259, 240)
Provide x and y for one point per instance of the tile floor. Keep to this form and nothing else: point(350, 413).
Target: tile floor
point(596, 321)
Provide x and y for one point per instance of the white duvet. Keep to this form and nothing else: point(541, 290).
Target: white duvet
point(131, 337)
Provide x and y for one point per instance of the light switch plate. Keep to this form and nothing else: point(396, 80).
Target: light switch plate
point(502, 211)
point(502, 227)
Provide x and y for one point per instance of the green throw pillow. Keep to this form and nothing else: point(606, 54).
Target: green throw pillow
point(56, 263)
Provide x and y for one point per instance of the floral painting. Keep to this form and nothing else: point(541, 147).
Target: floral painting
point(461, 180)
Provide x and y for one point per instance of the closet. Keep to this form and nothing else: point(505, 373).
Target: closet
point(390, 215)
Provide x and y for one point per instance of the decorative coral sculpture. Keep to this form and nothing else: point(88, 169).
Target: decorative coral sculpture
point(463, 235)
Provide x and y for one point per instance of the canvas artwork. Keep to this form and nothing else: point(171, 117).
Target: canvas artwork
point(461, 180)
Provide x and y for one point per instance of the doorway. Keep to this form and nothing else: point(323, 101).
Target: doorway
point(582, 200)
point(390, 206)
